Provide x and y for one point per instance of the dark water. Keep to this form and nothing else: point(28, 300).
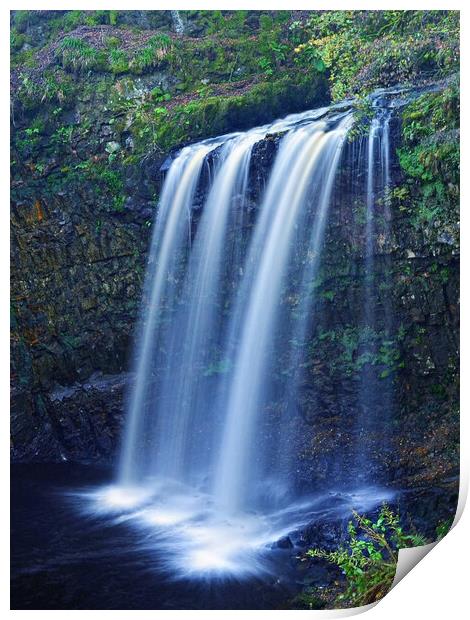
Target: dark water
point(67, 552)
point(61, 559)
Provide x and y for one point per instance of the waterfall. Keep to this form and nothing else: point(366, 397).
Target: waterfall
point(230, 292)
point(378, 183)
point(177, 22)
point(182, 426)
point(183, 441)
point(195, 365)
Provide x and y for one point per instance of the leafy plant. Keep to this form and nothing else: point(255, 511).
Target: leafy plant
point(266, 66)
point(430, 157)
point(63, 135)
point(158, 94)
point(443, 528)
point(369, 558)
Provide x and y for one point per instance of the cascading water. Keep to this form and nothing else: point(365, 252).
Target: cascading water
point(241, 455)
point(378, 185)
point(183, 438)
point(376, 327)
point(178, 25)
point(203, 464)
point(160, 287)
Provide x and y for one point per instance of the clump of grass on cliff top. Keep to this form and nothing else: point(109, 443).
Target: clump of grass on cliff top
point(33, 30)
point(157, 49)
point(78, 55)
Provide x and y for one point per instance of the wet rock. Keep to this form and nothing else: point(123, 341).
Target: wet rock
point(83, 422)
point(297, 538)
point(283, 543)
point(317, 575)
point(327, 534)
point(446, 238)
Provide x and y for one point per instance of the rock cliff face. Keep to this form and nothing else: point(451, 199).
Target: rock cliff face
point(88, 155)
point(86, 177)
point(77, 269)
point(77, 273)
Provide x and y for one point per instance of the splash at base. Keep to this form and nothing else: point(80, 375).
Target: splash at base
point(198, 540)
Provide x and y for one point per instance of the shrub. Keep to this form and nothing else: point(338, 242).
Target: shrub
point(369, 559)
point(367, 49)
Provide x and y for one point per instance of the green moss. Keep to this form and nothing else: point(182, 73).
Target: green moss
point(219, 114)
point(430, 156)
point(118, 61)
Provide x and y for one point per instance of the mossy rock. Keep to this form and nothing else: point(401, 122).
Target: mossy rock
point(214, 116)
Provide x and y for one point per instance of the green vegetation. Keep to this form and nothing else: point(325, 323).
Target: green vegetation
point(360, 50)
point(354, 347)
point(78, 55)
point(76, 70)
point(156, 49)
point(276, 54)
point(240, 73)
point(363, 50)
point(369, 558)
point(118, 61)
point(54, 87)
point(443, 528)
point(430, 156)
point(168, 127)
